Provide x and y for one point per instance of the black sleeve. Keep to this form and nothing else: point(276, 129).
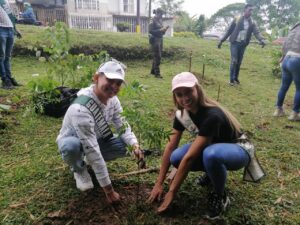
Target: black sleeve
point(177, 125)
point(210, 126)
point(154, 29)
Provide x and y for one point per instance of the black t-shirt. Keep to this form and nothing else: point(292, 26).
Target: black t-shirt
point(211, 122)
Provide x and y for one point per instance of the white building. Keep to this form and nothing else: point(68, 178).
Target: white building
point(94, 14)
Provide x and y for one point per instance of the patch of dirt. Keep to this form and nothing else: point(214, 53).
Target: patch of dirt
point(91, 208)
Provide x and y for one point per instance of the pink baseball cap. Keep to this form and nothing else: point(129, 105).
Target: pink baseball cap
point(184, 79)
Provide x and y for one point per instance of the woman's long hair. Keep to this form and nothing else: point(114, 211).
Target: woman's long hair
point(206, 102)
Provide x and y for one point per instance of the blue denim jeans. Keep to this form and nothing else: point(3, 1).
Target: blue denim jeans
point(6, 46)
point(72, 152)
point(237, 50)
point(290, 72)
point(215, 160)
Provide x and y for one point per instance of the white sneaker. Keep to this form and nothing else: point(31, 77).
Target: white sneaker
point(83, 180)
point(294, 116)
point(279, 112)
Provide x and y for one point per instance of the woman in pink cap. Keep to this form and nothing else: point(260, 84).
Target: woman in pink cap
point(214, 149)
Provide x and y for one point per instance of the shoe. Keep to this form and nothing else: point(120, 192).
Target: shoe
point(158, 76)
point(294, 116)
point(83, 180)
point(14, 82)
point(216, 205)
point(6, 84)
point(152, 72)
point(231, 83)
point(236, 81)
point(203, 180)
point(279, 112)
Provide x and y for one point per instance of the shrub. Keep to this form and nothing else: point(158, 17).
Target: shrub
point(185, 34)
point(122, 26)
point(276, 69)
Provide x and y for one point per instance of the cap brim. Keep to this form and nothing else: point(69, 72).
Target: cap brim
point(189, 85)
point(114, 76)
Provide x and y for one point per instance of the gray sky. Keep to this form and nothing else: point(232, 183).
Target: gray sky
point(206, 7)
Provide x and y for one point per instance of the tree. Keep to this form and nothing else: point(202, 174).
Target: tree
point(200, 25)
point(222, 18)
point(170, 6)
point(184, 22)
point(276, 13)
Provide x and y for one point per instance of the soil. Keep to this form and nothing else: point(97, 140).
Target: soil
point(91, 208)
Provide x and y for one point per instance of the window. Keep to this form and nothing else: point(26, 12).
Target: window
point(87, 4)
point(128, 6)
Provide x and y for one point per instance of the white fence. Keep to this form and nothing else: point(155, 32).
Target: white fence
point(104, 23)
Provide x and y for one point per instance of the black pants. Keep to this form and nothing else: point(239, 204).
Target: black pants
point(156, 48)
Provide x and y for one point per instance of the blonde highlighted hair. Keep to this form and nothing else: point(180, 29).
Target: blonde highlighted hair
point(206, 102)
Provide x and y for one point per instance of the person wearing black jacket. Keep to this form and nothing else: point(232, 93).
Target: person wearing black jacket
point(239, 33)
point(156, 33)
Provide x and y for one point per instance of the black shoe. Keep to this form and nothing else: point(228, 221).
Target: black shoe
point(216, 205)
point(6, 84)
point(236, 81)
point(203, 180)
point(14, 82)
point(158, 76)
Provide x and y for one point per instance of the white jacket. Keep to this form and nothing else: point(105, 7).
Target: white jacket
point(80, 123)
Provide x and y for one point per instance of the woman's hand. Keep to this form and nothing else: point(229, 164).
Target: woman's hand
point(112, 197)
point(167, 202)
point(156, 193)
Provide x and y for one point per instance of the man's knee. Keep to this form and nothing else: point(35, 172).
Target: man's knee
point(69, 146)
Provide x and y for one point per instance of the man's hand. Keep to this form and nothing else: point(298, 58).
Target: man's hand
point(112, 197)
point(18, 34)
point(156, 193)
point(164, 29)
point(262, 43)
point(219, 45)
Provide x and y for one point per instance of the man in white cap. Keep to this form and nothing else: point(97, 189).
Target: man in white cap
point(86, 137)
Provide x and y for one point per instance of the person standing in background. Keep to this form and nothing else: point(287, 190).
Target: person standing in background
point(290, 66)
point(7, 32)
point(240, 32)
point(156, 33)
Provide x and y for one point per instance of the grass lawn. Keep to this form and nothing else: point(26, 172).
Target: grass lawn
point(36, 187)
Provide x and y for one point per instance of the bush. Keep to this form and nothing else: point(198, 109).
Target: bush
point(185, 34)
point(276, 69)
point(122, 26)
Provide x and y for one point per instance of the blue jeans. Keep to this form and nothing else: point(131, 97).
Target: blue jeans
point(72, 152)
point(215, 160)
point(237, 50)
point(290, 72)
point(6, 46)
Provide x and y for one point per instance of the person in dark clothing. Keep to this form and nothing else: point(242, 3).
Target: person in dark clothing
point(215, 149)
point(290, 65)
point(239, 33)
point(156, 33)
point(7, 32)
point(28, 16)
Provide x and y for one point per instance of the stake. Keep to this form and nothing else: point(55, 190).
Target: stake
point(203, 71)
point(191, 56)
point(219, 89)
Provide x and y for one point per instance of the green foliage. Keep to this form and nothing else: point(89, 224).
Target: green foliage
point(171, 7)
point(122, 26)
point(224, 16)
point(185, 34)
point(276, 13)
point(200, 25)
point(143, 120)
point(276, 69)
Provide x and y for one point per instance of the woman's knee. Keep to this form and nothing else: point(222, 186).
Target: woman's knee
point(210, 154)
point(175, 159)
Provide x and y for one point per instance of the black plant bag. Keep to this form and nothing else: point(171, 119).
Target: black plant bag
point(58, 106)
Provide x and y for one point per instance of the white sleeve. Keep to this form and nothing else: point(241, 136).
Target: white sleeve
point(84, 125)
point(128, 136)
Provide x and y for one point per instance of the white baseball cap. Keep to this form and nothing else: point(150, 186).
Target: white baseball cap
point(184, 79)
point(112, 70)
